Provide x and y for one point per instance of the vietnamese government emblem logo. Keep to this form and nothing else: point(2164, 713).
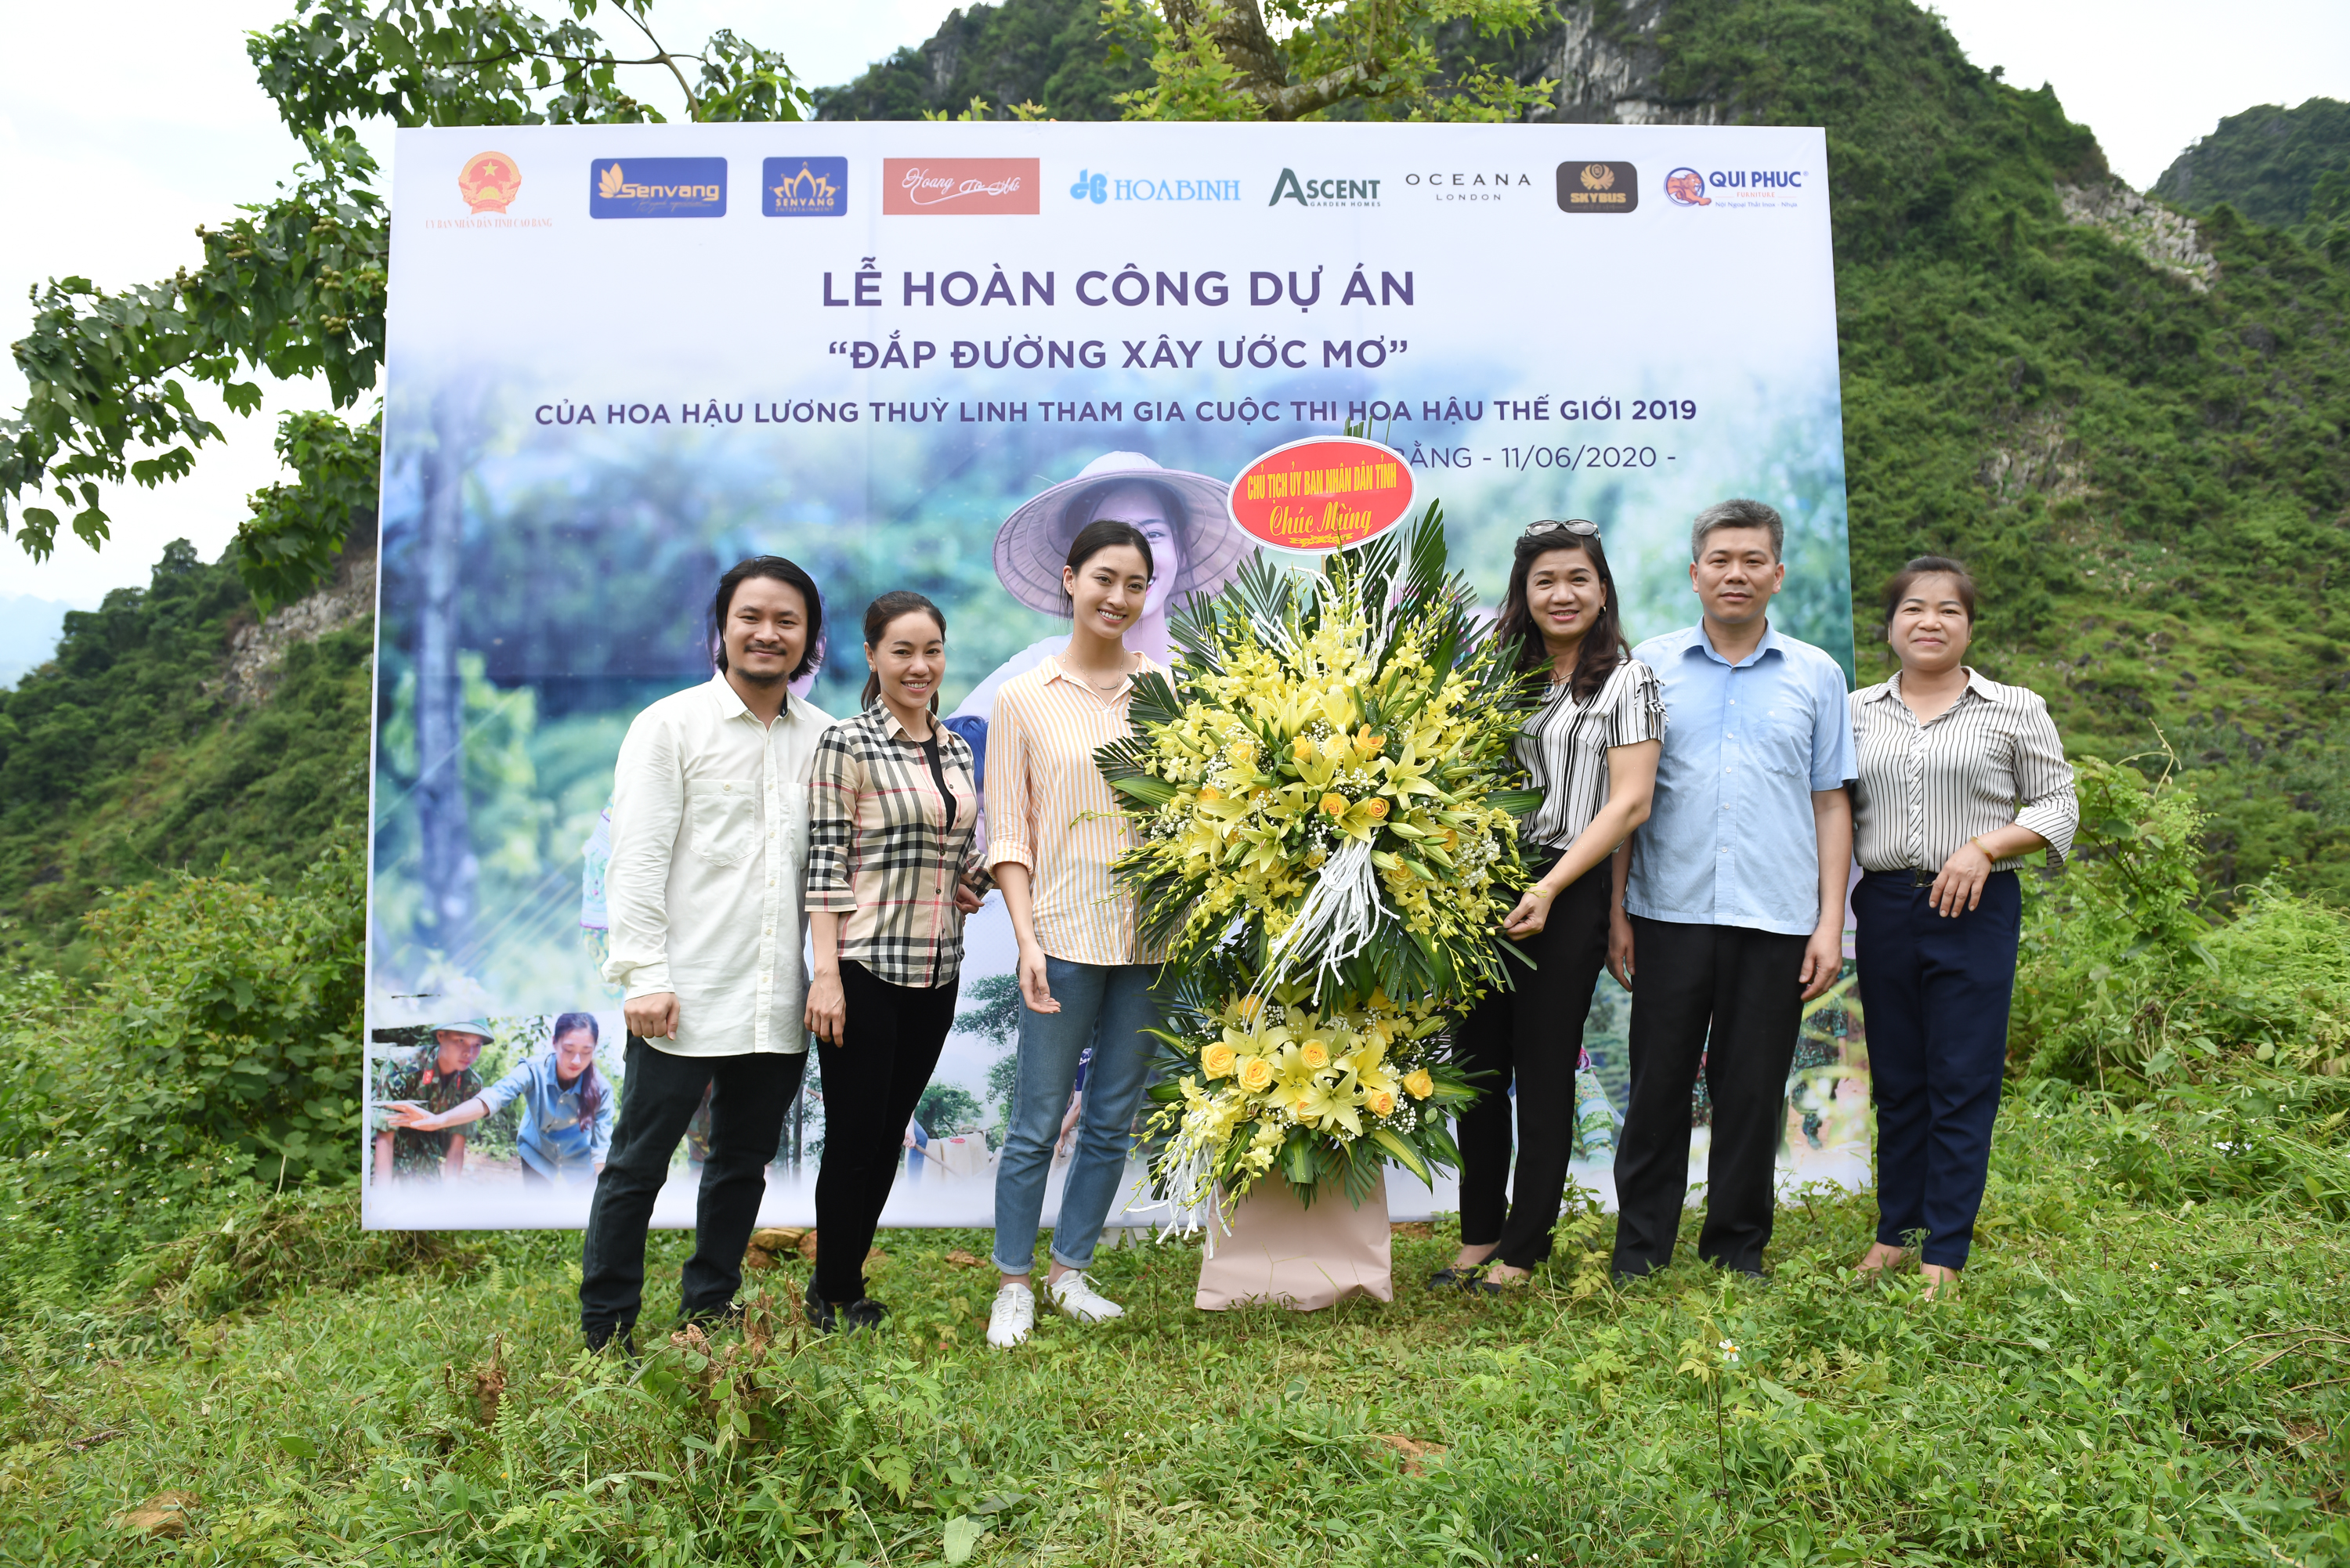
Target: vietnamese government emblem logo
point(488, 181)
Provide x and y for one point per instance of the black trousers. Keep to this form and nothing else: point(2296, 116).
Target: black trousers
point(660, 1096)
point(1935, 993)
point(1741, 989)
point(1534, 1034)
point(872, 1081)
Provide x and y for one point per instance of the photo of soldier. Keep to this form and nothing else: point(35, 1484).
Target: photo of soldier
point(436, 1078)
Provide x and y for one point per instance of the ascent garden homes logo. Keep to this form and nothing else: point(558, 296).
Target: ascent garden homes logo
point(1323, 192)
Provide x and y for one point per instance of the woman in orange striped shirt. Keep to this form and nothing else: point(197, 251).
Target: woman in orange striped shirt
point(1054, 831)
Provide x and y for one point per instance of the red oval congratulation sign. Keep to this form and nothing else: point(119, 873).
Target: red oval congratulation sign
point(1330, 492)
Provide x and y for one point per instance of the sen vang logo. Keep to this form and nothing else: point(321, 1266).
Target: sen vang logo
point(961, 186)
point(803, 187)
point(1599, 188)
point(657, 188)
point(1347, 191)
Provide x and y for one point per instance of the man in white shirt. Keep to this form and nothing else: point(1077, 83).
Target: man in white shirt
point(709, 834)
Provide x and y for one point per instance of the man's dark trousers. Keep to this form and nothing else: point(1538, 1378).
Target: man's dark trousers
point(1741, 987)
point(659, 1097)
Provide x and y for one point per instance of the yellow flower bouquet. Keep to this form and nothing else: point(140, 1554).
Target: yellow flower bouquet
point(1327, 803)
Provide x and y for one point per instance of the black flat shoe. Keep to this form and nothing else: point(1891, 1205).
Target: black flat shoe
point(1454, 1277)
point(709, 1323)
point(863, 1313)
point(821, 1313)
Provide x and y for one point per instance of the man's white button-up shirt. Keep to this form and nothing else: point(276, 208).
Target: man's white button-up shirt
point(710, 840)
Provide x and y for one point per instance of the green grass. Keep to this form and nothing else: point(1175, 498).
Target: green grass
point(2114, 1383)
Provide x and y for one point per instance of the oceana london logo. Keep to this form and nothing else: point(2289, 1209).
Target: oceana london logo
point(657, 188)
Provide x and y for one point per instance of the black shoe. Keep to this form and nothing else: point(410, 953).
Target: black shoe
point(821, 1314)
point(863, 1313)
point(1455, 1278)
point(709, 1322)
point(603, 1336)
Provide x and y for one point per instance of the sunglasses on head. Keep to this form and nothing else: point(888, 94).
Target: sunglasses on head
point(1582, 527)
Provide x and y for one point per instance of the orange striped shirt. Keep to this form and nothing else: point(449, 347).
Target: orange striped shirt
point(1049, 809)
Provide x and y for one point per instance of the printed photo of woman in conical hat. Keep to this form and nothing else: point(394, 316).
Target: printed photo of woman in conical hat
point(1194, 546)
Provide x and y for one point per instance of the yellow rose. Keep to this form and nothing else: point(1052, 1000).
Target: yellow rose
point(1301, 748)
point(1209, 792)
point(1335, 804)
point(1376, 808)
point(1314, 1055)
point(1217, 1060)
point(1381, 1102)
point(1257, 1074)
point(1370, 743)
point(1420, 1084)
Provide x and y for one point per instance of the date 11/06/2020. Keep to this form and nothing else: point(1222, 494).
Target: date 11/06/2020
point(1571, 459)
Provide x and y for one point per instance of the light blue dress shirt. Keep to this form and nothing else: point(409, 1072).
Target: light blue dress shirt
point(1730, 841)
point(552, 1139)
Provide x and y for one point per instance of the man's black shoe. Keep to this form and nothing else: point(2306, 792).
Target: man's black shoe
point(600, 1336)
point(709, 1322)
point(864, 1313)
point(821, 1314)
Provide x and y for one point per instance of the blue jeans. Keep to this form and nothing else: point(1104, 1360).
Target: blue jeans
point(1107, 1006)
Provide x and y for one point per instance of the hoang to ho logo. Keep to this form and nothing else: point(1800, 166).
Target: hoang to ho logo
point(489, 182)
point(1599, 188)
point(803, 187)
point(657, 188)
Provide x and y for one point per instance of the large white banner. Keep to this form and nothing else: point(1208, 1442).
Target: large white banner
point(623, 358)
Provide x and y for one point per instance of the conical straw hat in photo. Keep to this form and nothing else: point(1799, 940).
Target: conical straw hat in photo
point(1033, 542)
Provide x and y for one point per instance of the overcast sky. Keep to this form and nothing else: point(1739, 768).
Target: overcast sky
point(137, 120)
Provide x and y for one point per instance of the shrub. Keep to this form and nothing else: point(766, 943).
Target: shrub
point(216, 1043)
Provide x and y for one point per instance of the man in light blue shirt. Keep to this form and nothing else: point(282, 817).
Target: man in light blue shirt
point(1733, 896)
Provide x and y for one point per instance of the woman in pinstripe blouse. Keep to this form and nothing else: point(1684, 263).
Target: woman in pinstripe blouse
point(1959, 779)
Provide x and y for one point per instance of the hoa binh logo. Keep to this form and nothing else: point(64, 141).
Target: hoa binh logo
point(803, 187)
point(1099, 188)
point(489, 182)
point(658, 188)
point(1599, 188)
point(960, 186)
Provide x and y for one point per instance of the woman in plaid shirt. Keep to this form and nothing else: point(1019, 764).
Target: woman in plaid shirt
point(893, 867)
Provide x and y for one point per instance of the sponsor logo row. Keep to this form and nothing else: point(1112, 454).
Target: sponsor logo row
point(813, 187)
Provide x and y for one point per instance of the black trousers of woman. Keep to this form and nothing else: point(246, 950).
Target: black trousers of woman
point(872, 1080)
point(1532, 1034)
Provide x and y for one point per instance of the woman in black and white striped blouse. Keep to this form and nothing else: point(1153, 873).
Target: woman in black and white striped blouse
point(1591, 748)
point(1959, 778)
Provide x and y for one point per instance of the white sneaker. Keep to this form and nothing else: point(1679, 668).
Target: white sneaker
point(1012, 1317)
point(1074, 1294)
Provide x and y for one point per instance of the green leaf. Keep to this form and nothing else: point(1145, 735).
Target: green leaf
point(962, 1536)
point(1402, 1153)
point(298, 1445)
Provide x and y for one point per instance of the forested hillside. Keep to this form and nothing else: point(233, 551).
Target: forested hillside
point(168, 733)
point(2130, 422)
point(2286, 166)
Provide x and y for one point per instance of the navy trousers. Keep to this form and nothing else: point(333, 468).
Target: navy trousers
point(1934, 994)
